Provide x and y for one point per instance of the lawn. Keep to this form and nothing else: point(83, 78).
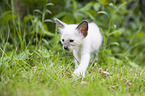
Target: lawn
point(45, 72)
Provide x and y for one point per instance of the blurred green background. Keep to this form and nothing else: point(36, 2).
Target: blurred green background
point(29, 23)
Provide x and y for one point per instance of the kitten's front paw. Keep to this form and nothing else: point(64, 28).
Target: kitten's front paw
point(78, 73)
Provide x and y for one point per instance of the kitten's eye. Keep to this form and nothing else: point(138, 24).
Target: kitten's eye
point(71, 41)
point(62, 40)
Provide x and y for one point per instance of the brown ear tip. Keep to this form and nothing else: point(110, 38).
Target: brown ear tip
point(85, 21)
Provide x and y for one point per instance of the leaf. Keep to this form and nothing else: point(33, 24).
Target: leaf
point(87, 7)
point(5, 13)
point(116, 31)
point(68, 18)
point(114, 43)
point(42, 28)
point(90, 15)
point(103, 12)
point(96, 6)
point(49, 4)
point(77, 17)
point(6, 17)
point(38, 11)
point(48, 33)
point(45, 41)
point(45, 30)
point(48, 20)
point(27, 18)
point(48, 11)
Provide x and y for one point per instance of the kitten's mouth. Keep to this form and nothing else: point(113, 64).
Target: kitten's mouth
point(68, 50)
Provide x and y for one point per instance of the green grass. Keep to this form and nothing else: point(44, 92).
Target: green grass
point(53, 76)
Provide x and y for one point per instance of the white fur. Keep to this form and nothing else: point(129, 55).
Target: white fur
point(82, 47)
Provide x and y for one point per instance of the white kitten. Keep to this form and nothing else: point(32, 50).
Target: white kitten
point(83, 39)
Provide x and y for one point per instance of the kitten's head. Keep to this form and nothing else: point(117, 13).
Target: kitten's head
point(72, 34)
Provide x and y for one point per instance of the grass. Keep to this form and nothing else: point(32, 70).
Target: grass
point(52, 76)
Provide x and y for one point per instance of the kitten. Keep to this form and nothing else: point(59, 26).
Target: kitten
point(82, 39)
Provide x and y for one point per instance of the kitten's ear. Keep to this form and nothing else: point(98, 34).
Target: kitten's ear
point(83, 27)
point(59, 23)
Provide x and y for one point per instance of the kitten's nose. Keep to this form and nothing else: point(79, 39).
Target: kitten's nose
point(66, 47)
